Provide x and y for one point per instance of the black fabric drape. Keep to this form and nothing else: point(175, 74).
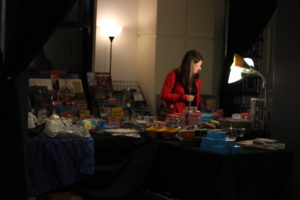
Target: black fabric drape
point(246, 21)
point(122, 168)
point(28, 25)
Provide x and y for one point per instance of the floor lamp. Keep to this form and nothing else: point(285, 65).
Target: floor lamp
point(111, 30)
point(240, 68)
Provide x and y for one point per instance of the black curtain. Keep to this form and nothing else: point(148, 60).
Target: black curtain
point(246, 21)
point(28, 25)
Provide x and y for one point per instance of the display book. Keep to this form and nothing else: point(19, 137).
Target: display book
point(112, 104)
point(263, 143)
point(62, 93)
point(208, 103)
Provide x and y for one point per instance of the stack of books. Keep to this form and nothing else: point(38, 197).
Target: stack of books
point(263, 143)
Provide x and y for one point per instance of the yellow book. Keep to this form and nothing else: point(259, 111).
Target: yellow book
point(117, 112)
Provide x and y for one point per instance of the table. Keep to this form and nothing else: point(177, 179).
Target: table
point(122, 166)
point(53, 163)
point(189, 173)
point(129, 166)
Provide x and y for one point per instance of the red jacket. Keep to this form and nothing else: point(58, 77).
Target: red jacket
point(173, 93)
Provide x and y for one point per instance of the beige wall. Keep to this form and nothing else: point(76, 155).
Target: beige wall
point(156, 34)
point(124, 48)
point(147, 17)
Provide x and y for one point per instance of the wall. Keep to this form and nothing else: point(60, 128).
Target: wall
point(155, 36)
point(124, 47)
point(190, 24)
point(186, 25)
point(285, 119)
point(147, 17)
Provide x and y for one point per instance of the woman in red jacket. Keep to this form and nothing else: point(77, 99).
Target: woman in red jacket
point(182, 85)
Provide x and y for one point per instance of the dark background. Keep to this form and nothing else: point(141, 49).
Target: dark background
point(19, 52)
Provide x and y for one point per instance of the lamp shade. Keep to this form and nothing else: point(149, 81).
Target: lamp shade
point(239, 67)
point(110, 29)
point(235, 74)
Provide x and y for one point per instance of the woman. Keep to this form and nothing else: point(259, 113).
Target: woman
point(182, 85)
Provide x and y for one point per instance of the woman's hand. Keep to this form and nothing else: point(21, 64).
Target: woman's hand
point(190, 98)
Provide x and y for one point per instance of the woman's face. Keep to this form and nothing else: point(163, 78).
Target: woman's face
point(197, 67)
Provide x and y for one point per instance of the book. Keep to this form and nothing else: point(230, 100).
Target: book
point(56, 73)
point(263, 143)
point(40, 97)
point(104, 111)
point(113, 120)
point(101, 92)
point(137, 96)
point(117, 112)
point(72, 85)
point(69, 111)
point(41, 82)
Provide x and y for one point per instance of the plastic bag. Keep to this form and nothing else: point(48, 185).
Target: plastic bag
point(63, 127)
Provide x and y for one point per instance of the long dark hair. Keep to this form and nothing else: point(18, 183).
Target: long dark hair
point(185, 76)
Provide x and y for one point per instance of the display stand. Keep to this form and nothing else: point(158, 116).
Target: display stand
point(114, 100)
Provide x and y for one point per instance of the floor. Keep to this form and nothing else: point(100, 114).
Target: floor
point(73, 196)
point(58, 196)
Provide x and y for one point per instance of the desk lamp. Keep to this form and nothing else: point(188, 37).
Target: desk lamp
point(110, 29)
point(240, 68)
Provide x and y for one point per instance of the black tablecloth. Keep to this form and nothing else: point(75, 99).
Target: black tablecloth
point(56, 162)
point(124, 164)
point(189, 173)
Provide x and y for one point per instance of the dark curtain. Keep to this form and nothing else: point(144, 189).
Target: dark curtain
point(246, 21)
point(28, 25)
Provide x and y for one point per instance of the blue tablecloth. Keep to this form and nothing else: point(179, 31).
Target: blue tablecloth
point(56, 162)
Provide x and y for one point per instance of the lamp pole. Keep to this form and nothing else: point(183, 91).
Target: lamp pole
point(111, 38)
point(266, 113)
point(244, 66)
point(110, 29)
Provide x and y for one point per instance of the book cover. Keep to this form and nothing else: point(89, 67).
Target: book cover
point(69, 111)
point(56, 73)
point(104, 111)
point(117, 112)
point(41, 82)
point(72, 85)
point(40, 97)
point(137, 96)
